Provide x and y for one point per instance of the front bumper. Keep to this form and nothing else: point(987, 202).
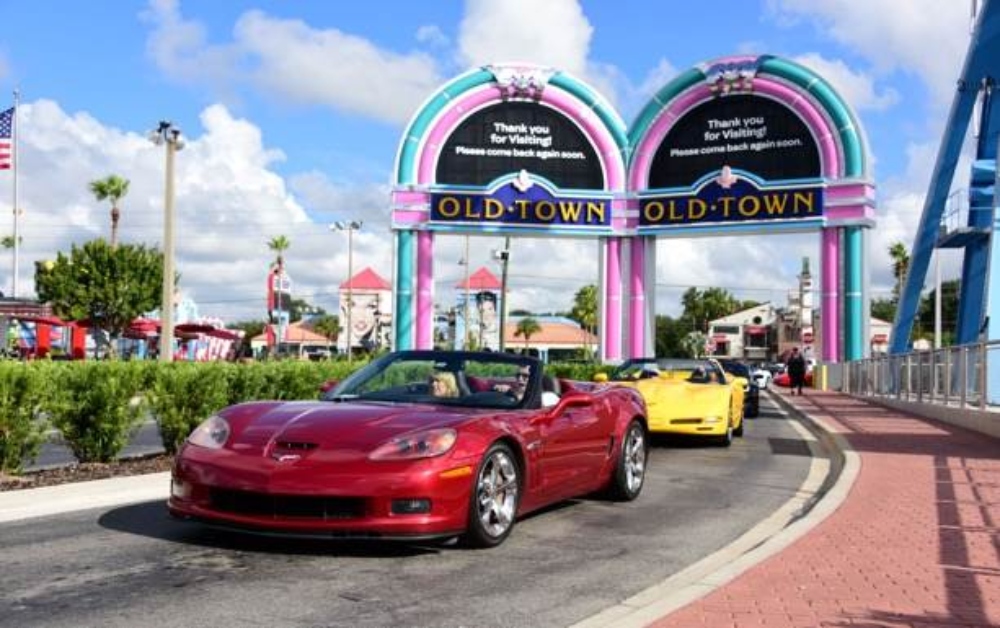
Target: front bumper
point(359, 500)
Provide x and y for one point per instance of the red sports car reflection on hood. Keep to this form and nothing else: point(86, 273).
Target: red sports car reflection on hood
point(416, 445)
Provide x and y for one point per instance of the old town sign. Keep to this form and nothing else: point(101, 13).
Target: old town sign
point(523, 202)
point(730, 197)
point(733, 159)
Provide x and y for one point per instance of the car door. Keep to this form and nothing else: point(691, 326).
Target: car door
point(575, 439)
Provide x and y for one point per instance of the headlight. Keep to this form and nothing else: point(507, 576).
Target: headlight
point(212, 433)
point(426, 444)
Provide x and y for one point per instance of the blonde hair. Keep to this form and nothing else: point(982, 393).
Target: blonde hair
point(448, 383)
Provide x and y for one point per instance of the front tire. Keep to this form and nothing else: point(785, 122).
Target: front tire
point(727, 439)
point(494, 499)
point(630, 470)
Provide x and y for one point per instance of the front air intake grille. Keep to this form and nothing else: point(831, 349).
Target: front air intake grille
point(685, 421)
point(287, 506)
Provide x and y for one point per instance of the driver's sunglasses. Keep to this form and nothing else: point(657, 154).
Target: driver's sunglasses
point(523, 375)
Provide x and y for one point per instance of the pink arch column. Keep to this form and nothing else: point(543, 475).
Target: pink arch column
point(637, 297)
point(830, 301)
point(611, 335)
point(425, 290)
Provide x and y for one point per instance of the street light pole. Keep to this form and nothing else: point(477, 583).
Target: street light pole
point(466, 329)
point(170, 136)
point(350, 226)
point(504, 259)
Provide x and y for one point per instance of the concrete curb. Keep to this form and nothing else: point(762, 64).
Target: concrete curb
point(822, 492)
point(51, 500)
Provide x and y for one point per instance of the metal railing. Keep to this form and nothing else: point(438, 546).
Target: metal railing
point(952, 376)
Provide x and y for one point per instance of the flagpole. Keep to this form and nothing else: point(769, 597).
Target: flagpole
point(17, 232)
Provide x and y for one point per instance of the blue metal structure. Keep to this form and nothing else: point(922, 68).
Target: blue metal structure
point(978, 304)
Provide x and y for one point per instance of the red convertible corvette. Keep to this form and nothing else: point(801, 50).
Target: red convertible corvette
point(416, 445)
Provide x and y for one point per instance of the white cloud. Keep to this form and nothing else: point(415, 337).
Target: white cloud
point(857, 88)
point(180, 49)
point(335, 68)
point(924, 37)
point(229, 203)
point(554, 33)
point(432, 35)
point(290, 60)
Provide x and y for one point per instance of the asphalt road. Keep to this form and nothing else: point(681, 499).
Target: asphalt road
point(134, 566)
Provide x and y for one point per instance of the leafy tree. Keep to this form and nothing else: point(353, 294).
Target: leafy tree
point(299, 308)
point(115, 188)
point(249, 329)
point(7, 241)
point(693, 344)
point(950, 291)
point(520, 312)
point(702, 307)
point(669, 334)
point(527, 327)
point(108, 286)
point(884, 309)
point(328, 325)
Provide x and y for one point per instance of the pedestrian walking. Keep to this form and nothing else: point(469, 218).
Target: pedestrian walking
point(796, 367)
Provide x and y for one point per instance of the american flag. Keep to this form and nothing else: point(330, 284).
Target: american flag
point(6, 132)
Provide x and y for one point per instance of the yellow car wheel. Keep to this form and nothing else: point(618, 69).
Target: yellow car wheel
point(727, 439)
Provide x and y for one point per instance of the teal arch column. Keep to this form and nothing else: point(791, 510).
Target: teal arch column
point(404, 290)
point(854, 316)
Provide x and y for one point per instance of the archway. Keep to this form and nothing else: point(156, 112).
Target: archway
point(508, 150)
point(750, 146)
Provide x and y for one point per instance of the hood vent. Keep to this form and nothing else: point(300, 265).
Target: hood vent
point(288, 445)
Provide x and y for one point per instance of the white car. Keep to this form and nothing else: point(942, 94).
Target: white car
point(761, 376)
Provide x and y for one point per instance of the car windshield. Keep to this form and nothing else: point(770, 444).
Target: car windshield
point(737, 369)
point(641, 368)
point(468, 379)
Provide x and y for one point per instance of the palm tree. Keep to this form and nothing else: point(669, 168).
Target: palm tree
point(115, 188)
point(527, 327)
point(900, 264)
point(279, 244)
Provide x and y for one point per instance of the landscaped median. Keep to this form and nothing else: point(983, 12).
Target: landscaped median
point(96, 406)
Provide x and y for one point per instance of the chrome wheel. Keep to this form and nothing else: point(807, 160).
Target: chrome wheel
point(634, 462)
point(496, 493)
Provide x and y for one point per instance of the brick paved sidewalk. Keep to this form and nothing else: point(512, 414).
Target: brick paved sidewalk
point(916, 543)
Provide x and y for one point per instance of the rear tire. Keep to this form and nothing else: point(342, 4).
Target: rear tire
point(494, 498)
point(630, 468)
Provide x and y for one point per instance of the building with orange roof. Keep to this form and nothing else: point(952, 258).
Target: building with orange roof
point(560, 338)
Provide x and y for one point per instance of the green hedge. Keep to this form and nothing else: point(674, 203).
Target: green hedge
point(97, 406)
point(24, 389)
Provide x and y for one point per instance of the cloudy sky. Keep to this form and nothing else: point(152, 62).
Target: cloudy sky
point(293, 113)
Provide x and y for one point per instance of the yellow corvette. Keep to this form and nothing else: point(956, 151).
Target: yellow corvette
point(685, 396)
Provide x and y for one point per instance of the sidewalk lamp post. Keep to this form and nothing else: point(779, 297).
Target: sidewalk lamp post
point(503, 256)
point(166, 134)
point(350, 226)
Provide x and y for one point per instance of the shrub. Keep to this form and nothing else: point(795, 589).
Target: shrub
point(23, 390)
point(96, 407)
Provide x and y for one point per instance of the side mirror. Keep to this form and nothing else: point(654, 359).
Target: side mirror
point(600, 377)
